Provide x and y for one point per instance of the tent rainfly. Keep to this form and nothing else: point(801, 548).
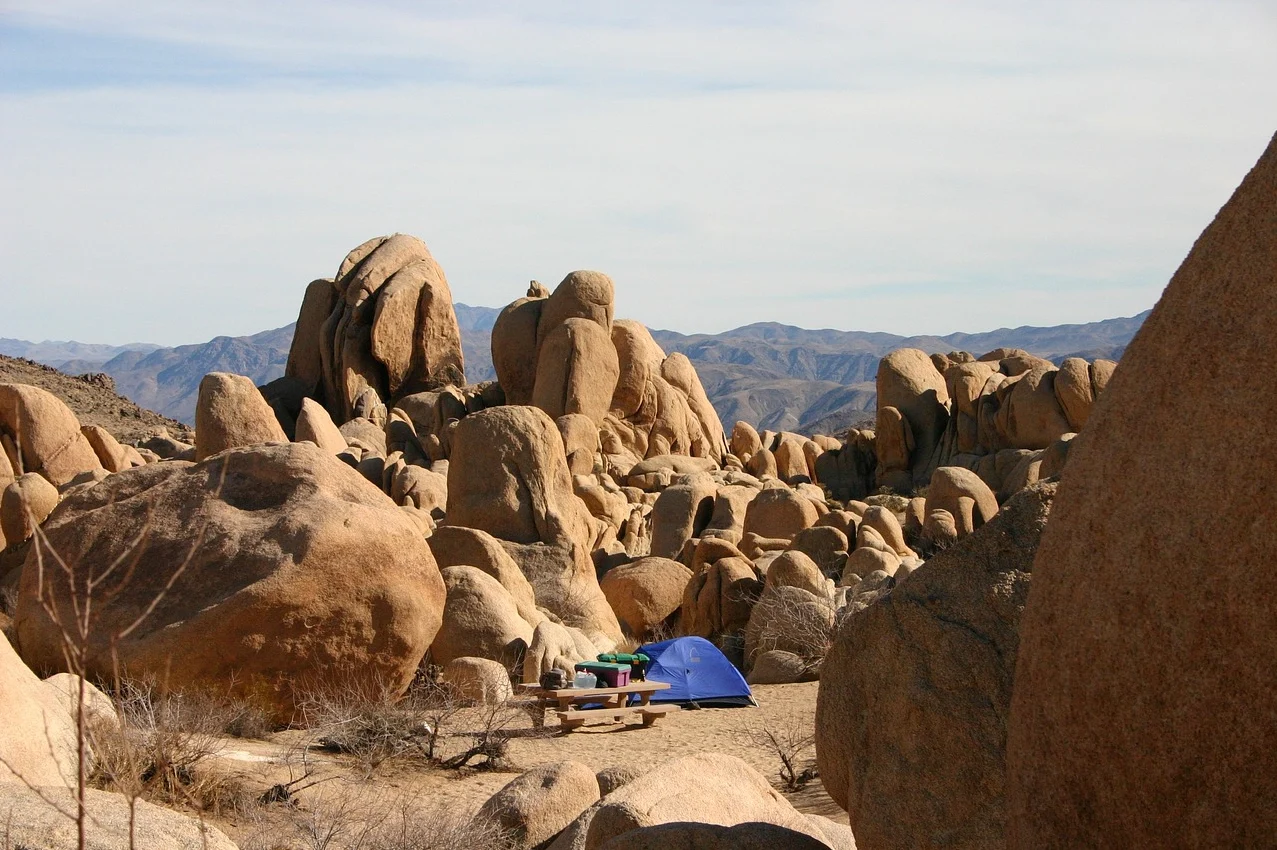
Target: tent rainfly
point(696, 672)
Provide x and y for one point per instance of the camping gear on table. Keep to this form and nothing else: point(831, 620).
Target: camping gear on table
point(638, 663)
point(614, 675)
point(696, 672)
point(584, 679)
point(554, 679)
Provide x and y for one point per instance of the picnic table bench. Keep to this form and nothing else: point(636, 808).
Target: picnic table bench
point(567, 703)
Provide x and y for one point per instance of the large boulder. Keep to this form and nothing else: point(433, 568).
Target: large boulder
point(961, 492)
point(718, 599)
point(1074, 391)
point(744, 441)
point(576, 370)
point(911, 718)
point(1142, 713)
point(1031, 417)
point(659, 405)
point(231, 413)
point(537, 805)
point(24, 504)
point(508, 476)
point(480, 681)
point(681, 512)
point(566, 585)
point(779, 513)
point(315, 425)
point(113, 456)
point(825, 543)
point(646, 593)
point(706, 836)
point(456, 546)
point(704, 788)
point(45, 435)
point(304, 363)
point(587, 295)
point(480, 620)
point(791, 460)
point(514, 347)
point(556, 647)
point(38, 741)
point(269, 571)
point(796, 569)
point(777, 667)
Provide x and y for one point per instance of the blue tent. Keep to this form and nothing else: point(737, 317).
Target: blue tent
point(697, 672)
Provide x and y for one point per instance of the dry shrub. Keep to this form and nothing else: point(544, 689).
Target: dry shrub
point(160, 750)
point(379, 729)
point(376, 727)
point(373, 726)
point(887, 498)
point(488, 731)
point(790, 743)
point(791, 623)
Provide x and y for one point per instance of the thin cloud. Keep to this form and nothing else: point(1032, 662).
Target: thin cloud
point(915, 168)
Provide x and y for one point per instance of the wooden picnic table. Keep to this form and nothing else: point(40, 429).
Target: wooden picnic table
point(567, 702)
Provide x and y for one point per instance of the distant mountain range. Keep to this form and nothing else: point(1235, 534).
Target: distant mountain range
point(822, 381)
point(771, 375)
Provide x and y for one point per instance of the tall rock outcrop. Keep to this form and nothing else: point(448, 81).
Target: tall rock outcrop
point(383, 326)
point(1143, 707)
point(508, 476)
point(909, 383)
point(564, 353)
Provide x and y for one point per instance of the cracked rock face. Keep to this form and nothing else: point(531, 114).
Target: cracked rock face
point(911, 721)
point(383, 328)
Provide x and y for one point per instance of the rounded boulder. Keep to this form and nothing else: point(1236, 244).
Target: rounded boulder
point(264, 570)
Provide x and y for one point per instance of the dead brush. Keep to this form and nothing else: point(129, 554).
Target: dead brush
point(788, 623)
point(374, 727)
point(488, 731)
point(160, 751)
point(790, 743)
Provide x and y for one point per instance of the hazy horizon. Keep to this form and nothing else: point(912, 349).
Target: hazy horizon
point(176, 173)
point(51, 341)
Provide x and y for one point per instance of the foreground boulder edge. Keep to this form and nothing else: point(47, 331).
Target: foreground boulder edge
point(288, 571)
point(914, 694)
point(1143, 707)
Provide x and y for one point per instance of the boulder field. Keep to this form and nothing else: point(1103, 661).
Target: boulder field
point(588, 497)
point(1023, 638)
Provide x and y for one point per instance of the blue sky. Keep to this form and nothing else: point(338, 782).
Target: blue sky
point(175, 171)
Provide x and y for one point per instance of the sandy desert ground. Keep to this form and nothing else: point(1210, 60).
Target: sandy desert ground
point(347, 794)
